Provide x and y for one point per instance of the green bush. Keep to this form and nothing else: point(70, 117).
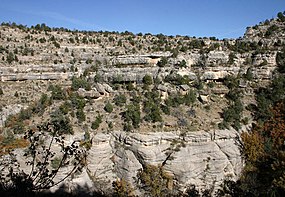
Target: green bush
point(151, 106)
point(65, 107)
point(165, 109)
point(271, 30)
point(183, 64)
point(147, 80)
point(130, 86)
point(162, 62)
point(108, 107)
point(154, 181)
point(25, 114)
point(248, 75)
point(133, 114)
point(154, 114)
point(177, 79)
point(190, 98)
point(56, 44)
point(120, 100)
point(77, 101)
point(280, 60)
point(80, 83)
point(10, 57)
point(281, 16)
point(98, 78)
point(55, 163)
point(266, 97)
point(95, 124)
point(57, 93)
point(232, 58)
point(80, 115)
point(61, 123)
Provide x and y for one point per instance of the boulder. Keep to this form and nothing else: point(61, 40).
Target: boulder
point(100, 88)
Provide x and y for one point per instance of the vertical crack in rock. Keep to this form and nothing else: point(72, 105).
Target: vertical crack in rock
point(227, 156)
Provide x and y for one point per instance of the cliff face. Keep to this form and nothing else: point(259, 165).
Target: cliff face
point(133, 69)
point(203, 158)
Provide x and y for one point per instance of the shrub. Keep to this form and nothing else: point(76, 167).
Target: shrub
point(154, 181)
point(61, 123)
point(271, 30)
point(162, 62)
point(56, 44)
point(120, 100)
point(190, 98)
point(16, 94)
point(77, 101)
point(130, 86)
point(95, 124)
point(232, 56)
point(10, 57)
point(18, 127)
point(183, 64)
point(122, 188)
point(80, 83)
point(281, 16)
point(80, 115)
point(248, 75)
point(147, 80)
point(280, 60)
point(165, 109)
point(133, 114)
point(39, 106)
point(65, 107)
point(57, 93)
point(25, 114)
point(108, 107)
point(154, 114)
point(55, 163)
point(177, 79)
point(98, 78)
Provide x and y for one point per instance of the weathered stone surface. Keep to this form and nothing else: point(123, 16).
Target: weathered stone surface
point(88, 94)
point(217, 57)
point(206, 158)
point(204, 98)
point(127, 74)
point(9, 110)
point(185, 87)
point(34, 76)
point(162, 88)
point(108, 88)
point(100, 88)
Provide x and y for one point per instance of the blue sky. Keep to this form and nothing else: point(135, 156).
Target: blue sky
point(219, 18)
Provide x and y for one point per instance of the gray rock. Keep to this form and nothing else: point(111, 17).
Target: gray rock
point(162, 88)
point(88, 94)
point(185, 87)
point(108, 88)
point(9, 110)
point(206, 158)
point(100, 88)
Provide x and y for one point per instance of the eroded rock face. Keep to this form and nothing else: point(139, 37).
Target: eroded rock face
point(204, 159)
point(7, 111)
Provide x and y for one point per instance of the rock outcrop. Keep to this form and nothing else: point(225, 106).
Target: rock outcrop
point(7, 111)
point(204, 158)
